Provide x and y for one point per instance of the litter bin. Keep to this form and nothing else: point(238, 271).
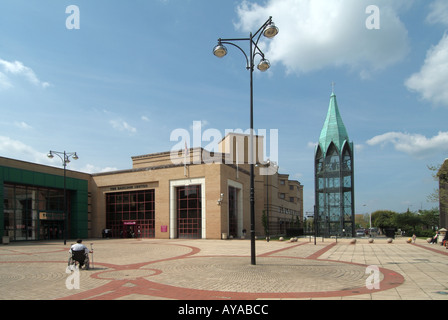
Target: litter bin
point(390, 232)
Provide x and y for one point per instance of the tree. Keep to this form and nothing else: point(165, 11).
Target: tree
point(384, 219)
point(362, 220)
point(440, 173)
point(407, 220)
point(440, 195)
point(429, 218)
point(434, 197)
point(264, 222)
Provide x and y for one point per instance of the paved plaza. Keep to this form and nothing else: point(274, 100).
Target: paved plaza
point(153, 269)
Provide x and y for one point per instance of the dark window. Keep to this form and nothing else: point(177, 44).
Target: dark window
point(131, 214)
point(189, 212)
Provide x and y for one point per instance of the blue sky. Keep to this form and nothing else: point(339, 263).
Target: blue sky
point(136, 70)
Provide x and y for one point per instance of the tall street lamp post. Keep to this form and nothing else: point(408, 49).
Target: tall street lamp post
point(65, 157)
point(269, 30)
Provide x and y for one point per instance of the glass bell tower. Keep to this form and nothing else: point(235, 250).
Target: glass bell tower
point(333, 171)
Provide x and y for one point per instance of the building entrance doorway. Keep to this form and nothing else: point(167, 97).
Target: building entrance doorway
point(131, 214)
point(51, 229)
point(131, 229)
point(235, 226)
point(189, 212)
point(233, 212)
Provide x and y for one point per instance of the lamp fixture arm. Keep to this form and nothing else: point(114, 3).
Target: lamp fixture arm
point(268, 29)
point(255, 43)
point(64, 156)
point(59, 155)
point(256, 50)
point(268, 22)
point(225, 41)
point(260, 31)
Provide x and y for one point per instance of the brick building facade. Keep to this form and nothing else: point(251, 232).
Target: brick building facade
point(192, 193)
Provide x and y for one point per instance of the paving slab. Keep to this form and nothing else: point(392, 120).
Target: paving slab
point(180, 269)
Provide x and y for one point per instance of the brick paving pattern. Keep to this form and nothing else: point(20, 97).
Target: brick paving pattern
point(153, 269)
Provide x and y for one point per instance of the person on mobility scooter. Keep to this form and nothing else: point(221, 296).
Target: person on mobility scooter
point(79, 254)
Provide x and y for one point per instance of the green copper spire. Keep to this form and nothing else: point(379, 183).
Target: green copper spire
point(334, 128)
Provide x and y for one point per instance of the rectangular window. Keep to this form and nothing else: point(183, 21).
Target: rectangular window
point(34, 213)
point(233, 211)
point(131, 214)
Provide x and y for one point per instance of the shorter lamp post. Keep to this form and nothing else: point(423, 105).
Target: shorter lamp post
point(65, 157)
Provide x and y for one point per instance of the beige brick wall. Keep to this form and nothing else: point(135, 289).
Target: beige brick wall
point(216, 176)
point(159, 180)
point(156, 171)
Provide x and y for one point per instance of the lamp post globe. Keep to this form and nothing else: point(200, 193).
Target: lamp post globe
point(219, 50)
point(263, 65)
point(271, 31)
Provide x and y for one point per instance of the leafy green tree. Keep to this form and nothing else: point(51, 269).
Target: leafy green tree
point(264, 222)
point(429, 218)
point(384, 219)
point(439, 174)
point(407, 221)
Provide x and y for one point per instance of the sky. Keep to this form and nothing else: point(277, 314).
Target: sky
point(114, 79)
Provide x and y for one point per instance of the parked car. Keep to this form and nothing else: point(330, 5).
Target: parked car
point(360, 233)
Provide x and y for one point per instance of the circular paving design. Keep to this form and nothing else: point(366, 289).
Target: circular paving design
point(184, 271)
point(7, 278)
point(126, 274)
point(269, 275)
point(41, 280)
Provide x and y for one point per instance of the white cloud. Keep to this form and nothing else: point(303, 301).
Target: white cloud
point(15, 149)
point(312, 145)
point(4, 82)
point(19, 150)
point(22, 125)
point(90, 168)
point(122, 126)
point(431, 81)
point(298, 176)
point(18, 69)
point(359, 148)
point(198, 125)
point(438, 13)
point(413, 144)
point(316, 34)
